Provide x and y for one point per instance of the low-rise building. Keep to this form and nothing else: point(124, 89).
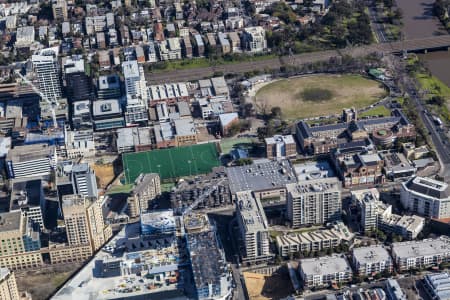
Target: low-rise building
point(313, 241)
point(227, 121)
point(185, 131)
point(369, 261)
point(280, 146)
point(437, 286)
point(325, 271)
point(254, 39)
point(133, 139)
point(421, 254)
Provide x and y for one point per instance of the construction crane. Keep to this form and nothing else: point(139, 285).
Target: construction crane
point(53, 104)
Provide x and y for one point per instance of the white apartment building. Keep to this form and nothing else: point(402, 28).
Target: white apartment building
point(325, 271)
point(372, 260)
point(254, 39)
point(170, 49)
point(367, 200)
point(253, 227)
point(317, 240)
point(315, 201)
point(45, 65)
point(426, 197)
point(421, 254)
point(135, 83)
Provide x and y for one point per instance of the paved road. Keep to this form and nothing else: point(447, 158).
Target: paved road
point(377, 27)
point(439, 139)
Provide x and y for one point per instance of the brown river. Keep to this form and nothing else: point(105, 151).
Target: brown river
point(419, 22)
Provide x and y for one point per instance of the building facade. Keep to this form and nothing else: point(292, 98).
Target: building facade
point(84, 222)
point(253, 227)
point(315, 201)
point(426, 197)
point(325, 271)
point(421, 254)
point(372, 260)
point(280, 146)
point(8, 285)
point(146, 188)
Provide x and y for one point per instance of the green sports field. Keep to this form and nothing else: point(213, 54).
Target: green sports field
point(171, 163)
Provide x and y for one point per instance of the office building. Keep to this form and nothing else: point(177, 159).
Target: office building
point(315, 201)
point(421, 254)
point(78, 84)
point(8, 285)
point(84, 222)
point(313, 241)
point(211, 276)
point(83, 180)
point(46, 67)
point(60, 10)
point(107, 114)
point(368, 202)
point(253, 227)
point(280, 146)
point(426, 197)
point(146, 188)
point(108, 87)
point(27, 196)
point(81, 114)
point(20, 243)
point(372, 260)
point(325, 271)
point(437, 286)
point(79, 144)
point(31, 160)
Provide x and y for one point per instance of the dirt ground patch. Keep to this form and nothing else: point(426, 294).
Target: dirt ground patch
point(104, 173)
point(264, 287)
point(346, 90)
point(42, 283)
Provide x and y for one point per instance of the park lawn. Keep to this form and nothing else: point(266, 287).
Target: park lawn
point(227, 145)
point(376, 111)
point(119, 189)
point(433, 85)
point(347, 90)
